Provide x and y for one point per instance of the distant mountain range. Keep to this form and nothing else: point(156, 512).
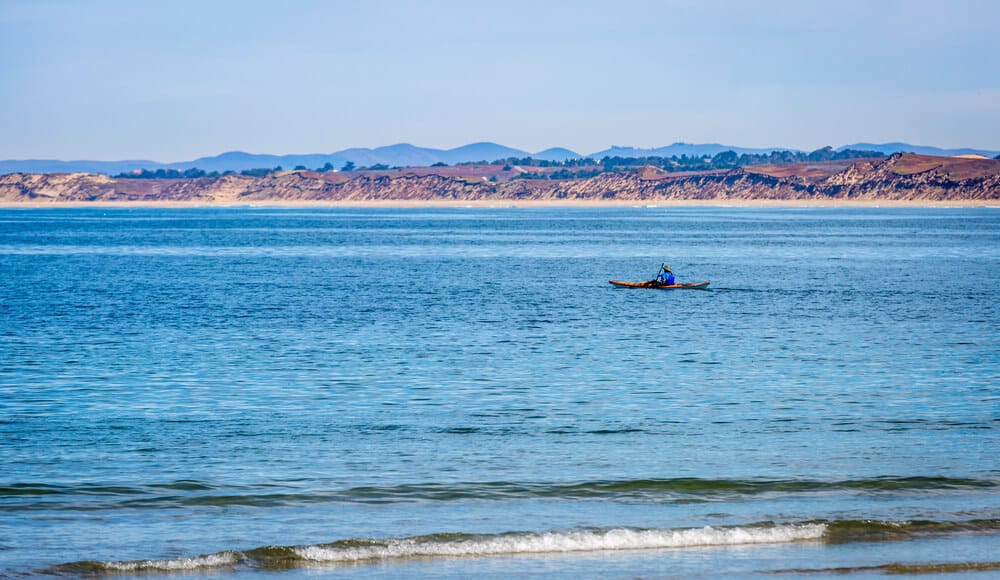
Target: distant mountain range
point(890, 148)
point(406, 155)
point(678, 149)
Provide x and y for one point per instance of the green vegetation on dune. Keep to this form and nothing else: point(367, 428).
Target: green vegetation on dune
point(575, 168)
point(723, 160)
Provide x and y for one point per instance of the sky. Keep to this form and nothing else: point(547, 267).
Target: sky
point(173, 80)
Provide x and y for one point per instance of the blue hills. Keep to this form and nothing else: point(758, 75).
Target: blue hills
point(407, 155)
point(680, 148)
point(890, 148)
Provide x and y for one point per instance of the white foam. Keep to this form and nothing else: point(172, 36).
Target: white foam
point(178, 564)
point(555, 542)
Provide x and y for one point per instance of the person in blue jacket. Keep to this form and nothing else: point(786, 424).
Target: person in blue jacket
point(666, 277)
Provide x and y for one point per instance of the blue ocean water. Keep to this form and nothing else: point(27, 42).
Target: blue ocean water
point(460, 392)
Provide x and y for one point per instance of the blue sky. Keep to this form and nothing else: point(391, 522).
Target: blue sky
point(174, 80)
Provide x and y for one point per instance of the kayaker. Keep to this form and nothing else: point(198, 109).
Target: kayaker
point(666, 277)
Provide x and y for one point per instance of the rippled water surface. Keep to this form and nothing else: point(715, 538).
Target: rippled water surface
point(460, 392)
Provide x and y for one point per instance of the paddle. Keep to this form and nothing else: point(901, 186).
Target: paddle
point(656, 279)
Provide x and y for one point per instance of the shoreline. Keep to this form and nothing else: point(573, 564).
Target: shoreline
point(504, 204)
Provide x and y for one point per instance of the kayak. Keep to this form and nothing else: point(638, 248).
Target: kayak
point(649, 284)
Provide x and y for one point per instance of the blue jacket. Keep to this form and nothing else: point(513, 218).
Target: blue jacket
point(666, 277)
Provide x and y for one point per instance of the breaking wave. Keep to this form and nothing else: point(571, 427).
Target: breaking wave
point(362, 551)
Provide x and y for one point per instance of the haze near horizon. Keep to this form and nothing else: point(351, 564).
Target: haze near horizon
point(117, 80)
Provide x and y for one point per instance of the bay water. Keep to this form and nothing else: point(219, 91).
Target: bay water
point(349, 392)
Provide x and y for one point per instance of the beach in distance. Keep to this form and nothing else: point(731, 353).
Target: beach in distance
point(453, 392)
point(486, 204)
